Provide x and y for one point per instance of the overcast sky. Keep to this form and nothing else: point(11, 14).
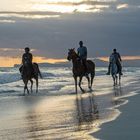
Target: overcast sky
point(50, 27)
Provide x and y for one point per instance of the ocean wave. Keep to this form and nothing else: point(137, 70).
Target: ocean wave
point(7, 91)
point(9, 77)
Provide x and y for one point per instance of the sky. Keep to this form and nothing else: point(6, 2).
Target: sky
point(51, 27)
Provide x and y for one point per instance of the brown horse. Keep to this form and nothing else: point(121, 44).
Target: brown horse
point(79, 70)
point(30, 72)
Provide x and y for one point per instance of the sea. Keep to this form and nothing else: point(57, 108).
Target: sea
point(56, 111)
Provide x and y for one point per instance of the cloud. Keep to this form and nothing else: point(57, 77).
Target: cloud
point(14, 49)
point(13, 52)
point(102, 31)
point(7, 21)
point(44, 9)
point(28, 16)
point(122, 6)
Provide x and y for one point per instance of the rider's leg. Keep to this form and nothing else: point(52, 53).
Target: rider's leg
point(109, 67)
point(84, 61)
point(120, 68)
point(22, 70)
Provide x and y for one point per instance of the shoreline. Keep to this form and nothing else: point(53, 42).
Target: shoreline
point(113, 129)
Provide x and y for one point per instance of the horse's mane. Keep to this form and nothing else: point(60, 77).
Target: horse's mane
point(73, 50)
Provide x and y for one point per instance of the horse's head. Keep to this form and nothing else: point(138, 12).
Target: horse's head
point(72, 54)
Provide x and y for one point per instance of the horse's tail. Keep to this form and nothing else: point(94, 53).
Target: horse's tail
point(20, 69)
point(37, 70)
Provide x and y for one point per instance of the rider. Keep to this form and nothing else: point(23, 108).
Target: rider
point(82, 52)
point(26, 59)
point(118, 62)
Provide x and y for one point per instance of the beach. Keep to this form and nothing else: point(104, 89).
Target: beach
point(57, 113)
point(126, 126)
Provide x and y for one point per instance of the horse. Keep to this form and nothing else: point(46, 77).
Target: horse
point(114, 70)
point(30, 72)
point(79, 70)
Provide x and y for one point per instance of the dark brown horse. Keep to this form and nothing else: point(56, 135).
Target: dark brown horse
point(79, 70)
point(29, 73)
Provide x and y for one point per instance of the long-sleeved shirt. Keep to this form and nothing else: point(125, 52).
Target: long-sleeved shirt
point(82, 52)
point(117, 56)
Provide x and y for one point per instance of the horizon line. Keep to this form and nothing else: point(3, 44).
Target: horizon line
point(11, 61)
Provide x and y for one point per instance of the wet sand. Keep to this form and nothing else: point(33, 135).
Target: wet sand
point(126, 126)
point(62, 116)
point(41, 117)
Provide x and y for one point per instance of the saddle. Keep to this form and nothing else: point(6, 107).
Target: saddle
point(84, 64)
point(34, 69)
point(24, 68)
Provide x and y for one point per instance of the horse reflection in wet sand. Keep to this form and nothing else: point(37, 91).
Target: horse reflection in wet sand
point(29, 73)
point(87, 111)
point(79, 70)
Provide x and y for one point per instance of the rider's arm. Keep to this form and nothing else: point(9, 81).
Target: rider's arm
point(78, 52)
point(23, 59)
point(31, 57)
point(119, 57)
point(85, 51)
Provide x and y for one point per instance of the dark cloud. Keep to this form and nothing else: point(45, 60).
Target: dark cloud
point(101, 32)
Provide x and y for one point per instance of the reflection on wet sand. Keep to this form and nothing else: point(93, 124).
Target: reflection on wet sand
point(87, 111)
point(118, 92)
point(62, 123)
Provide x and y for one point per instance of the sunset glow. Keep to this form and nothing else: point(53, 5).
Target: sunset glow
point(11, 61)
point(123, 58)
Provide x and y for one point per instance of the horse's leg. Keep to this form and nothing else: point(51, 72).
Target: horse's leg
point(37, 85)
point(113, 76)
point(26, 87)
point(119, 79)
point(92, 77)
point(89, 86)
point(80, 80)
point(75, 79)
point(116, 79)
point(31, 85)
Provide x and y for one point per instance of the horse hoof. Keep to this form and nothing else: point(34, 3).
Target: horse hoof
point(91, 90)
point(83, 91)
